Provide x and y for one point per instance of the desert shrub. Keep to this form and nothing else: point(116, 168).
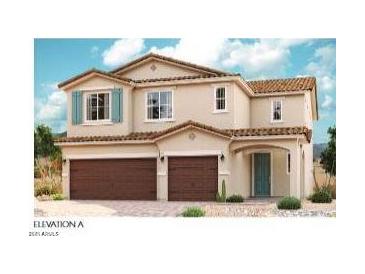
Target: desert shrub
point(289, 202)
point(47, 186)
point(221, 198)
point(37, 173)
point(235, 198)
point(193, 212)
point(333, 191)
point(57, 197)
point(322, 195)
point(48, 167)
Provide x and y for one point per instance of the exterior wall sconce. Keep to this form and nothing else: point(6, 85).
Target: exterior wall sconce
point(64, 160)
point(222, 157)
point(161, 156)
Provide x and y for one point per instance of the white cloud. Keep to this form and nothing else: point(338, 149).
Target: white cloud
point(122, 51)
point(328, 102)
point(204, 52)
point(323, 67)
point(51, 110)
point(260, 57)
point(327, 83)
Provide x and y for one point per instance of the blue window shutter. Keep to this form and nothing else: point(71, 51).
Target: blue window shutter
point(117, 105)
point(76, 107)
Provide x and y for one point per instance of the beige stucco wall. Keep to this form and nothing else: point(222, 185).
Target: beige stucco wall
point(293, 114)
point(190, 102)
point(281, 179)
point(162, 70)
point(240, 174)
point(308, 168)
point(100, 129)
point(308, 118)
point(241, 108)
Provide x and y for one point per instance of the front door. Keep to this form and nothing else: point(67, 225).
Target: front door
point(262, 174)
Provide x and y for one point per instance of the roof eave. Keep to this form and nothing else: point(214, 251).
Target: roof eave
point(187, 81)
point(147, 57)
point(90, 74)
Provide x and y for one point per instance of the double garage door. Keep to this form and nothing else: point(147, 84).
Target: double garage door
point(189, 179)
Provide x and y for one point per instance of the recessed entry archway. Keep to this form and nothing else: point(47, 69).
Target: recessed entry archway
point(270, 169)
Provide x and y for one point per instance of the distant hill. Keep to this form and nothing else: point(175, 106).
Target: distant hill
point(317, 150)
point(61, 134)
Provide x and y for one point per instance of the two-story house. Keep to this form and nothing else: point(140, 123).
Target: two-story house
point(158, 128)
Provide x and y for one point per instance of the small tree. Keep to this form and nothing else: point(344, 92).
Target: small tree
point(328, 156)
point(43, 143)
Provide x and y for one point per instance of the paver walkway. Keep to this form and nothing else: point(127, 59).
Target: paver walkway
point(250, 208)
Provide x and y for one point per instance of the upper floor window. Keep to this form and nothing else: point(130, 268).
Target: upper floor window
point(98, 106)
point(159, 105)
point(276, 109)
point(220, 99)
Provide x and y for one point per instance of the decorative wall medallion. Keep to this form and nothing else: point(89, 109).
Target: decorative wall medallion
point(192, 136)
point(153, 67)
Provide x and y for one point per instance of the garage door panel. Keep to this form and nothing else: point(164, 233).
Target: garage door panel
point(113, 179)
point(192, 178)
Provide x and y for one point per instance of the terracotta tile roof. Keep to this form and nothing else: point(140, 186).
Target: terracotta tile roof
point(191, 123)
point(172, 60)
point(93, 70)
point(229, 133)
point(280, 85)
point(272, 131)
point(117, 77)
point(183, 78)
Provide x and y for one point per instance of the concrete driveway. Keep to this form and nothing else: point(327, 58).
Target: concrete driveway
point(250, 208)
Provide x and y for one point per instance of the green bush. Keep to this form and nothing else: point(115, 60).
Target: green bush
point(235, 198)
point(193, 212)
point(57, 197)
point(289, 202)
point(321, 195)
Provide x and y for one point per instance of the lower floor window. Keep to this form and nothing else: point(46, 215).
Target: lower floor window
point(97, 106)
point(288, 163)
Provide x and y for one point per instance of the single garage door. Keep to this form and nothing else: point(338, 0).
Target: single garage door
point(192, 178)
point(113, 179)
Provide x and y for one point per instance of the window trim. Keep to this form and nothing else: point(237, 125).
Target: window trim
point(272, 111)
point(288, 163)
point(215, 110)
point(101, 121)
point(159, 120)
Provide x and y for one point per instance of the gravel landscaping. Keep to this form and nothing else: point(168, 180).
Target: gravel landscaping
point(269, 209)
point(250, 208)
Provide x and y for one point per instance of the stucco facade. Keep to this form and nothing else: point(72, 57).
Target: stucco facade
point(194, 99)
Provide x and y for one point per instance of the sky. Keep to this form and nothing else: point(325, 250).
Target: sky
point(56, 60)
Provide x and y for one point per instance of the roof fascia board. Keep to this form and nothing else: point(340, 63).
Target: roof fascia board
point(148, 59)
point(191, 127)
point(91, 75)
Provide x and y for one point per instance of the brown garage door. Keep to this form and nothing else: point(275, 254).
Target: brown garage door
point(113, 179)
point(192, 178)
